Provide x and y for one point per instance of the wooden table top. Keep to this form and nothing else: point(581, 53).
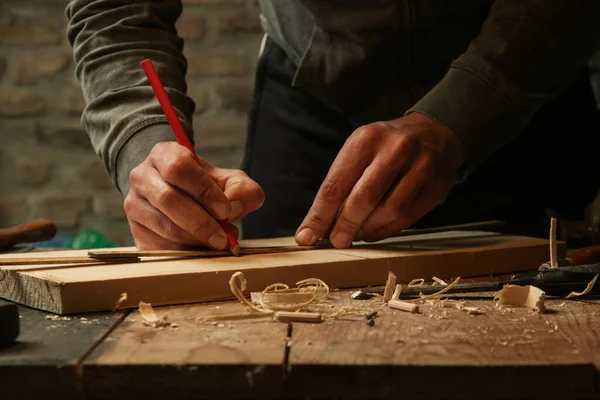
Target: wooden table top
point(442, 352)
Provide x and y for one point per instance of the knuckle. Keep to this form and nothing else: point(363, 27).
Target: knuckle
point(168, 227)
point(166, 195)
point(129, 205)
point(136, 175)
point(205, 190)
point(316, 221)
point(367, 132)
point(174, 168)
point(329, 189)
point(201, 228)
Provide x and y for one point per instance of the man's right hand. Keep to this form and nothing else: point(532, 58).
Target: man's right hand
point(174, 203)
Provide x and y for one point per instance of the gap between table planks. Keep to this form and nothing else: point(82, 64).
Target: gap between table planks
point(81, 288)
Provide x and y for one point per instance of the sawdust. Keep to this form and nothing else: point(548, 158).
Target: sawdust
point(521, 296)
point(589, 287)
point(57, 318)
point(150, 317)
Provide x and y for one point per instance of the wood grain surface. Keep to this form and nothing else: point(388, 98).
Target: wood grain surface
point(239, 359)
point(43, 363)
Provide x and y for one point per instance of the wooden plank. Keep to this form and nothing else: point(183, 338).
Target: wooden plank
point(43, 362)
point(197, 359)
point(83, 288)
point(448, 353)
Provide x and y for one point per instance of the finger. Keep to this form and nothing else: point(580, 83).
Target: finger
point(430, 197)
point(345, 171)
point(141, 211)
point(400, 199)
point(178, 167)
point(180, 208)
point(244, 194)
point(145, 239)
point(363, 199)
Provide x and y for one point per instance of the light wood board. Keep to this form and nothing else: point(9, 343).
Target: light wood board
point(68, 289)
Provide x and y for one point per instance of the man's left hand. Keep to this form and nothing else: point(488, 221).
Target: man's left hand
point(386, 177)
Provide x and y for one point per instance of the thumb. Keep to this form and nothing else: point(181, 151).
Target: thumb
point(244, 194)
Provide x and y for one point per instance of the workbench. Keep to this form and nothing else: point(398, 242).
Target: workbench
point(441, 352)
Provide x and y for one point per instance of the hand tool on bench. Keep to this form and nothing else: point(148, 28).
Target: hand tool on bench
point(34, 231)
point(554, 282)
point(584, 255)
point(9, 323)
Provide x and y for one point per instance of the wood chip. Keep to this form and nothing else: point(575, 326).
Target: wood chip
point(553, 249)
point(389, 287)
point(472, 310)
point(440, 281)
point(397, 292)
point(438, 294)
point(121, 300)
point(150, 317)
point(287, 316)
point(521, 296)
point(57, 318)
point(589, 287)
point(403, 306)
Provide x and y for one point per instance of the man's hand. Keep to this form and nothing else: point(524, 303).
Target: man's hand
point(174, 203)
point(386, 177)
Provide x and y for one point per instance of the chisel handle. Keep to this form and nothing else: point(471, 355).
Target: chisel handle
point(34, 231)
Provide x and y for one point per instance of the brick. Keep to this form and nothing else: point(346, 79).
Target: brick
point(237, 97)
point(200, 94)
point(110, 206)
point(71, 99)
point(14, 209)
point(45, 29)
point(64, 210)
point(96, 175)
point(2, 67)
point(240, 22)
point(191, 25)
point(32, 170)
point(65, 134)
point(20, 103)
point(38, 64)
point(217, 65)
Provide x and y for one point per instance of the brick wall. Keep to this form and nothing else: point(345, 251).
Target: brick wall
point(47, 165)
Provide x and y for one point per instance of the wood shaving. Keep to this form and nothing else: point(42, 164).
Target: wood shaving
point(438, 280)
point(416, 282)
point(438, 294)
point(121, 300)
point(150, 317)
point(472, 310)
point(238, 289)
point(521, 296)
point(390, 285)
point(397, 292)
point(57, 318)
point(589, 287)
point(553, 250)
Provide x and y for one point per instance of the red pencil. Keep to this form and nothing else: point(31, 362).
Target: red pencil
point(181, 136)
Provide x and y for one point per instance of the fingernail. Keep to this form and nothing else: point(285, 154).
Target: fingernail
point(306, 237)
point(341, 240)
point(236, 210)
point(221, 209)
point(218, 241)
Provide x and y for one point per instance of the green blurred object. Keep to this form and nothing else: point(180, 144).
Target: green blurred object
point(90, 239)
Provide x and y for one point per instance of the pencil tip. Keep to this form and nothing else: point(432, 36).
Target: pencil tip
point(236, 251)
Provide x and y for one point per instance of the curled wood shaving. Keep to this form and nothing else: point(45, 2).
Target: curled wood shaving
point(440, 281)
point(416, 282)
point(441, 292)
point(307, 291)
point(238, 289)
point(521, 296)
point(553, 261)
point(397, 292)
point(150, 317)
point(589, 287)
point(390, 284)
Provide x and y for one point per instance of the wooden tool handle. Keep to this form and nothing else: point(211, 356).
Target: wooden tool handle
point(34, 231)
point(585, 255)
